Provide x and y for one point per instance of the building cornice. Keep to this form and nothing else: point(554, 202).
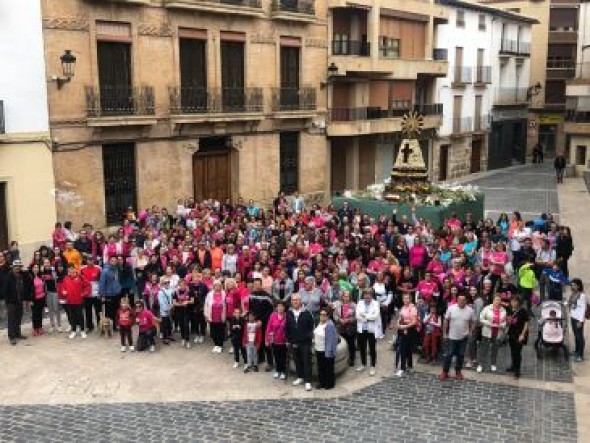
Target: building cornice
point(478, 7)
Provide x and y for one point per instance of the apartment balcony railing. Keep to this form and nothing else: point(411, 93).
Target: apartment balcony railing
point(461, 75)
point(109, 101)
point(294, 99)
point(429, 108)
point(561, 68)
point(294, 6)
point(511, 96)
point(440, 54)
point(481, 123)
point(398, 109)
point(246, 3)
point(460, 125)
point(483, 74)
point(508, 46)
point(524, 48)
point(351, 47)
point(577, 116)
point(195, 100)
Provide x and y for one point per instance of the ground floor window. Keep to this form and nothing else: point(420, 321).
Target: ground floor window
point(120, 185)
point(581, 155)
point(289, 161)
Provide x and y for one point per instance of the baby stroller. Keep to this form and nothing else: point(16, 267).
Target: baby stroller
point(552, 328)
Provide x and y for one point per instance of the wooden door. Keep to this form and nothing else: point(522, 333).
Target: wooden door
point(475, 156)
point(443, 162)
point(114, 77)
point(212, 176)
point(3, 218)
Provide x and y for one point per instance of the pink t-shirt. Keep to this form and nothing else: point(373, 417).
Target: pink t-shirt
point(217, 308)
point(408, 314)
point(426, 289)
point(501, 257)
point(495, 321)
point(145, 320)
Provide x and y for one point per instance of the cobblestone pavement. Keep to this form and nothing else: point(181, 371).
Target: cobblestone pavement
point(414, 409)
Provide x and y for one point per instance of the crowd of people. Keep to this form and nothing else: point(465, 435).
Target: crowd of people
point(295, 281)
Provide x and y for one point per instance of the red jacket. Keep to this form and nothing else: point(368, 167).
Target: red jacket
point(74, 289)
point(257, 337)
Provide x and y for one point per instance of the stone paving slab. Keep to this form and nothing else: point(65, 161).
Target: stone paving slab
point(415, 409)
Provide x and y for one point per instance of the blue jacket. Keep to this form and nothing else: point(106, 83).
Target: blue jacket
point(165, 301)
point(331, 339)
point(108, 285)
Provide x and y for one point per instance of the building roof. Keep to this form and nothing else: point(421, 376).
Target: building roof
point(489, 10)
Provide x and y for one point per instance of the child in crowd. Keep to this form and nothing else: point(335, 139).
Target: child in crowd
point(125, 320)
point(432, 332)
point(147, 327)
point(236, 332)
point(252, 339)
point(552, 328)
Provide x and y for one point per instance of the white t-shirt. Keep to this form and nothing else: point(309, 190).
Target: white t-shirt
point(578, 312)
point(459, 320)
point(320, 337)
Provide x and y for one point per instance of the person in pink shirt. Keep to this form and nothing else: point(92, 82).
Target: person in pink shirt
point(418, 258)
point(406, 329)
point(275, 339)
point(216, 313)
point(427, 288)
point(498, 260)
point(435, 266)
point(147, 327)
point(59, 237)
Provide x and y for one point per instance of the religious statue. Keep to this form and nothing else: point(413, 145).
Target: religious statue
point(409, 166)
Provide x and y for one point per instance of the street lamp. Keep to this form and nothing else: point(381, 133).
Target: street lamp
point(68, 62)
point(533, 90)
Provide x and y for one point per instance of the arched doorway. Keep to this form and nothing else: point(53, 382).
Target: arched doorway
point(212, 169)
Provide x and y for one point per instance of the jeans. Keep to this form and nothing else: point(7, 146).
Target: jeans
point(14, 314)
point(199, 324)
point(580, 343)
point(92, 304)
point(181, 315)
point(264, 352)
point(37, 308)
point(515, 354)
point(280, 357)
point(251, 355)
point(302, 356)
point(236, 343)
point(146, 339)
point(126, 337)
point(166, 327)
point(364, 338)
point(488, 352)
point(326, 375)
point(53, 307)
point(455, 348)
point(76, 317)
point(351, 342)
point(406, 348)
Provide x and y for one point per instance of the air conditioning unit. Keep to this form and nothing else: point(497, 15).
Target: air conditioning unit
point(2, 126)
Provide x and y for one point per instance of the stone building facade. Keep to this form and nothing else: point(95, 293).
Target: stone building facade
point(185, 98)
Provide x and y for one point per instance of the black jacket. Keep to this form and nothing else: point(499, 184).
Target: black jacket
point(299, 332)
point(206, 264)
point(260, 304)
point(13, 296)
point(559, 162)
point(4, 273)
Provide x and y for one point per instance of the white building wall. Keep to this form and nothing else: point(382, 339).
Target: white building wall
point(583, 56)
point(22, 78)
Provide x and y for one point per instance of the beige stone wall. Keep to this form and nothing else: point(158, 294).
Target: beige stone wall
point(459, 157)
point(25, 166)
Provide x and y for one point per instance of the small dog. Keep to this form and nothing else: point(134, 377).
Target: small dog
point(105, 324)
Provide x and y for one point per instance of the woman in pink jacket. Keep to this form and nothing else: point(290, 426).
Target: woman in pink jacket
point(418, 258)
point(275, 338)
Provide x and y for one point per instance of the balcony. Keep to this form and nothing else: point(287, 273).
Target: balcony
point(389, 67)
point(563, 37)
point(483, 75)
point(120, 106)
point(577, 122)
point(440, 54)
point(199, 105)
point(293, 10)
point(508, 47)
point(298, 101)
point(481, 124)
point(351, 47)
point(524, 49)
point(461, 76)
point(248, 8)
point(561, 69)
point(511, 96)
point(375, 120)
point(461, 125)
point(440, 13)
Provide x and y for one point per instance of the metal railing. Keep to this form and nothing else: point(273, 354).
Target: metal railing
point(107, 101)
point(196, 100)
point(440, 54)
point(461, 75)
point(574, 116)
point(429, 108)
point(483, 74)
point(460, 125)
point(351, 47)
point(294, 99)
point(508, 46)
point(295, 6)
point(524, 48)
point(398, 108)
point(481, 123)
point(246, 3)
point(561, 68)
point(507, 96)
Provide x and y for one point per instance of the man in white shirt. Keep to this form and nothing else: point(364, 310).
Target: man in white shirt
point(457, 327)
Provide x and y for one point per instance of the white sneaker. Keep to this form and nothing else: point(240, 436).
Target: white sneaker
point(493, 368)
point(188, 345)
point(131, 348)
point(123, 348)
point(83, 335)
point(219, 349)
point(479, 368)
point(297, 382)
point(245, 365)
point(308, 386)
point(73, 334)
point(283, 377)
point(201, 339)
point(372, 372)
point(214, 350)
point(276, 375)
point(182, 343)
point(236, 365)
point(360, 369)
point(196, 340)
point(230, 351)
point(68, 328)
point(399, 373)
point(152, 348)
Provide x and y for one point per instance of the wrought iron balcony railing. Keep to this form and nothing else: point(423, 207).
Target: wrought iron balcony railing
point(294, 6)
point(294, 99)
point(351, 47)
point(198, 100)
point(108, 101)
point(483, 74)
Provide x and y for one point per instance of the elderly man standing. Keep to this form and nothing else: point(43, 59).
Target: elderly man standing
point(311, 297)
point(299, 332)
point(18, 288)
